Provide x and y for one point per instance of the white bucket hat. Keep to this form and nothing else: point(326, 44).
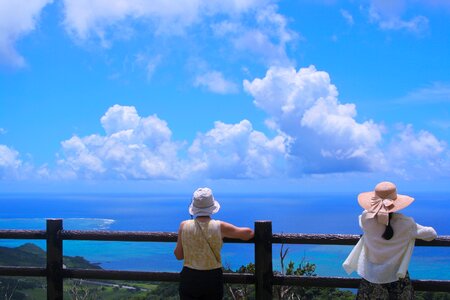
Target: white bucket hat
point(203, 203)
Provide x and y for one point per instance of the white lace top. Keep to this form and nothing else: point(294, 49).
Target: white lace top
point(382, 261)
point(197, 253)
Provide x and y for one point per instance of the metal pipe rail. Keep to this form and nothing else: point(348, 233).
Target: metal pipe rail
point(264, 277)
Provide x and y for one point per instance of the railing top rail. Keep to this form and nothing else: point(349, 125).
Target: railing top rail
point(129, 236)
point(342, 239)
point(145, 236)
point(23, 234)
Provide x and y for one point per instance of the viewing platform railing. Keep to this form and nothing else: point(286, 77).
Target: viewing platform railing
point(263, 279)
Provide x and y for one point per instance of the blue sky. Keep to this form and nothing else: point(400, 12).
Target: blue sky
point(155, 96)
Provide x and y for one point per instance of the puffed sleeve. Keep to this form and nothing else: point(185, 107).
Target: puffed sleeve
point(425, 233)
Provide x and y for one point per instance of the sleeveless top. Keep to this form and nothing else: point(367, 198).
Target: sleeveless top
point(197, 253)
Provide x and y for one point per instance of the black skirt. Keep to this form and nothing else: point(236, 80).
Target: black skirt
point(201, 284)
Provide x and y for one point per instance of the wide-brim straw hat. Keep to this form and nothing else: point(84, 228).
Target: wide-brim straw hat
point(385, 191)
point(203, 203)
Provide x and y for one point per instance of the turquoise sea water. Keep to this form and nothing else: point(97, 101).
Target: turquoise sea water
point(307, 213)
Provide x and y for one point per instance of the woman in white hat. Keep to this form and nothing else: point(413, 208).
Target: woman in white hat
point(199, 244)
point(382, 255)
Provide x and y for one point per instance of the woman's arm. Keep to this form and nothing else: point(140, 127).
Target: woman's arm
point(425, 233)
point(230, 231)
point(179, 248)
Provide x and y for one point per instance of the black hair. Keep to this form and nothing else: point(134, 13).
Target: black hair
point(389, 231)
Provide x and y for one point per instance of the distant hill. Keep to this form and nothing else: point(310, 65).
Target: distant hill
point(30, 255)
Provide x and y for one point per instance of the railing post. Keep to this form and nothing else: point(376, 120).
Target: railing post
point(263, 260)
point(54, 260)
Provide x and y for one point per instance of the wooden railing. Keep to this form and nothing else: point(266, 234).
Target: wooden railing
point(263, 279)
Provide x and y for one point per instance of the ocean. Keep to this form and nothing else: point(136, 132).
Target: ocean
point(289, 213)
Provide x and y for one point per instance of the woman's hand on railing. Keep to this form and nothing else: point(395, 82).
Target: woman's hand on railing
point(230, 231)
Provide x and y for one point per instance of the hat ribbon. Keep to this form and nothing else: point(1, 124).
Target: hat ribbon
point(379, 208)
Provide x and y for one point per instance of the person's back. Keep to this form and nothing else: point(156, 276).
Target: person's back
point(197, 251)
point(385, 260)
point(381, 250)
point(199, 244)
point(382, 255)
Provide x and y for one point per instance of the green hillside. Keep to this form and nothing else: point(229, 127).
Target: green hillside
point(30, 255)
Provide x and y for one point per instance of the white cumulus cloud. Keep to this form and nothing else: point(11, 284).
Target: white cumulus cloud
point(13, 167)
point(134, 147)
point(236, 151)
point(267, 39)
point(251, 27)
point(9, 162)
point(418, 154)
point(325, 135)
point(17, 18)
point(389, 16)
point(215, 82)
point(235, 30)
point(120, 118)
point(84, 18)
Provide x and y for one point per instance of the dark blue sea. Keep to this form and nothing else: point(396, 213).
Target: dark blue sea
point(289, 213)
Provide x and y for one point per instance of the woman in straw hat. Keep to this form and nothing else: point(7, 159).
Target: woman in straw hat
point(382, 255)
point(199, 244)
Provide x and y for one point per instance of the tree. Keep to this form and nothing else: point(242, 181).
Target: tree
point(240, 291)
point(305, 268)
point(432, 295)
point(80, 292)
point(8, 289)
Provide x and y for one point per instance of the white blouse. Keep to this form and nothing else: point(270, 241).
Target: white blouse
point(382, 261)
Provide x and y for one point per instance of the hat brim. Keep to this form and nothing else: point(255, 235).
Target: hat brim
point(204, 211)
point(401, 202)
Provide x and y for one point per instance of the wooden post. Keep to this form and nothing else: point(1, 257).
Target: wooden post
point(263, 260)
point(54, 260)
